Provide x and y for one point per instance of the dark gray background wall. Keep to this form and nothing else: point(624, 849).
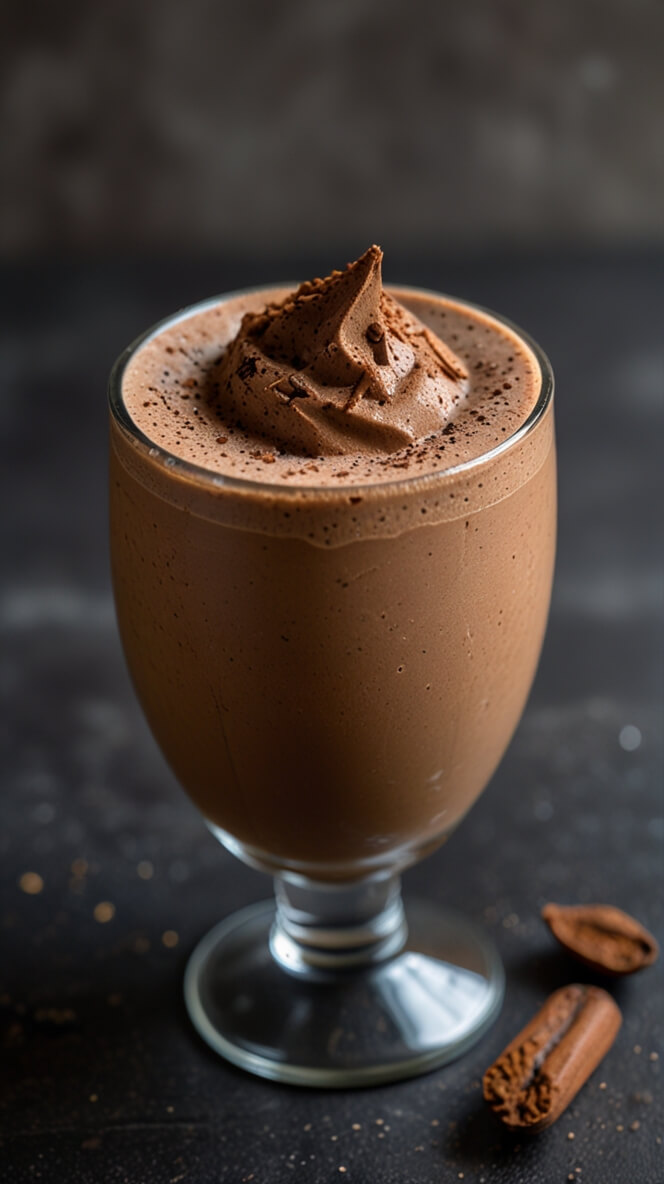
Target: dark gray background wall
point(277, 125)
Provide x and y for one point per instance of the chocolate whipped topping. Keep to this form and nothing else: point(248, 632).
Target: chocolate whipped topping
point(338, 367)
point(183, 392)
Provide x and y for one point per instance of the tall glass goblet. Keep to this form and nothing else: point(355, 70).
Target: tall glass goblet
point(334, 675)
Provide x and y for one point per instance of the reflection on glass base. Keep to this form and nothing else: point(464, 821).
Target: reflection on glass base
point(417, 1008)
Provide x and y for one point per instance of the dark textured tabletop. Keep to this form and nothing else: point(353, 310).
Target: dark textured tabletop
point(109, 876)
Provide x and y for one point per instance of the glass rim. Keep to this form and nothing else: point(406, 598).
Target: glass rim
point(210, 477)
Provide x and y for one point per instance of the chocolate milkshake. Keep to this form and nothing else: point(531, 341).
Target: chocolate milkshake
point(333, 521)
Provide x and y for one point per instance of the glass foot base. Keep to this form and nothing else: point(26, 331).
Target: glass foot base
point(402, 1016)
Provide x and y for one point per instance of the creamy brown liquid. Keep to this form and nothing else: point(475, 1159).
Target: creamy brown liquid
point(334, 656)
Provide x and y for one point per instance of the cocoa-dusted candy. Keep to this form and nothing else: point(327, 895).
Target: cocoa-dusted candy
point(602, 937)
point(543, 1068)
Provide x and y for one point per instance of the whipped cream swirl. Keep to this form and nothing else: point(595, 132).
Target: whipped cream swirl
point(338, 367)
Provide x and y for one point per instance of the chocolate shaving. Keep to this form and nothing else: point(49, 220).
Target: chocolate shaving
point(358, 392)
point(376, 337)
point(247, 369)
point(451, 364)
point(291, 387)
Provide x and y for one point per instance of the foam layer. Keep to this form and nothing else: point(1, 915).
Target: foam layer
point(168, 393)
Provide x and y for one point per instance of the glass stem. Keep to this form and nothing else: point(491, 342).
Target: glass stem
point(331, 927)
